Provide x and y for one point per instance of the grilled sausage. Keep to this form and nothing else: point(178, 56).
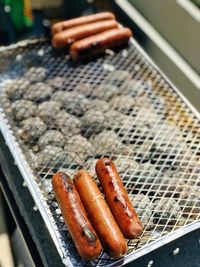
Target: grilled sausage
point(98, 43)
point(65, 25)
point(100, 215)
point(117, 199)
point(80, 228)
point(67, 37)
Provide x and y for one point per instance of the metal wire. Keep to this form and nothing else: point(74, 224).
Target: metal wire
point(138, 120)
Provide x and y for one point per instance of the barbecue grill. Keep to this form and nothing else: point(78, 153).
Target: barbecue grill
point(157, 152)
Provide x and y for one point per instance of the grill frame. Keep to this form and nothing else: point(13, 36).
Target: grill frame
point(29, 178)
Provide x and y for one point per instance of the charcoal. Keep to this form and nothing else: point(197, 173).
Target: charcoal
point(105, 91)
point(23, 109)
point(144, 208)
point(92, 122)
point(167, 211)
point(107, 142)
point(16, 89)
point(53, 138)
point(68, 124)
point(124, 104)
point(47, 111)
point(80, 146)
point(35, 74)
point(38, 92)
point(31, 129)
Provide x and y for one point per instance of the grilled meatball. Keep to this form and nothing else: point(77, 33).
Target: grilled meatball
point(124, 104)
point(167, 211)
point(16, 89)
point(35, 74)
point(105, 91)
point(68, 124)
point(80, 146)
point(92, 122)
point(144, 208)
point(107, 142)
point(31, 129)
point(48, 111)
point(23, 109)
point(38, 92)
point(51, 137)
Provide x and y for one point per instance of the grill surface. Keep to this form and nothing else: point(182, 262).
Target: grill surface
point(154, 137)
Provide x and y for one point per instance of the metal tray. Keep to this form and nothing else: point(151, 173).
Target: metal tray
point(161, 131)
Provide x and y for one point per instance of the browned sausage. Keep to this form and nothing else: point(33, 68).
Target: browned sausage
point(100, 215)
point(98, 43)
point(117, 199)
point(64, 25)
point(80, 228)
point(67, 37)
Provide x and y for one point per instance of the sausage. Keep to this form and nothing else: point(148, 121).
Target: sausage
point(117, 199)
point(98, 43)
point(65, 25)
point(67, 37)
point(100, 215)
point(80, 228)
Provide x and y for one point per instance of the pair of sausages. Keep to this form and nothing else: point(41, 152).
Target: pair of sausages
point(110, 233)
point(89, 35)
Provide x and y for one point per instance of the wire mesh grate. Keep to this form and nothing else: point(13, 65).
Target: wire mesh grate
point(66, 115)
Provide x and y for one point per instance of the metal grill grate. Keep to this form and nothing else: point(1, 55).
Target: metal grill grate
point(118, 106)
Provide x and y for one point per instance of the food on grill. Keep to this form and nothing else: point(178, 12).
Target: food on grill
point(92, 122)
point(72, 102)
point(100, 215)
point(48, 110)
point(57, 82)
point(119, 76)
point(67, 24)
point(51, 137)
point(166, 211)
point(68, 124)
point(67, 37)
point(31, 129)
point(97, 44)
point(104, 91)
point(53, 156)
point(38, 92)
point(23, 109)
point(107, 142)
point(124, 104)
point(80, 146)
point(75, 217)
point(36, 74)
point(16, 89)
point(117, 199)
point(144, 208)
point(97, 104)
